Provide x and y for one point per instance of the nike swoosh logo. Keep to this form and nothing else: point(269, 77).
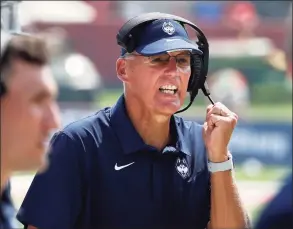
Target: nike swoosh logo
point(122, 167)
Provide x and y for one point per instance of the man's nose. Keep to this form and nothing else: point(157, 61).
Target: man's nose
point(172, 65)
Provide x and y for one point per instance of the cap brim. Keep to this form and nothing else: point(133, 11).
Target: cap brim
point(165, 45)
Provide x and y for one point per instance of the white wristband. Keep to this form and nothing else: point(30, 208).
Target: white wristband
point(221, 166)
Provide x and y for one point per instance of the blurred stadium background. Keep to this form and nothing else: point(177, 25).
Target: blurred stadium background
point(249, 72)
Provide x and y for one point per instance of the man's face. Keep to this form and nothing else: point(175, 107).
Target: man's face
point(28, 114)
point(152, 81)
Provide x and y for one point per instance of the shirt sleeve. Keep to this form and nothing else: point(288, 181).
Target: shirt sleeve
point(54, 198)
point(278, 213)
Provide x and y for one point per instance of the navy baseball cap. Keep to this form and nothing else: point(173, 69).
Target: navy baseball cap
point(161, 36)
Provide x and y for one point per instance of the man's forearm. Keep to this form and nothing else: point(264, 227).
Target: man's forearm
point(227, 211)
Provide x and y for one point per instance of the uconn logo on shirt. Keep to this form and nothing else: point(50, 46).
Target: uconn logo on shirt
point(182, 167)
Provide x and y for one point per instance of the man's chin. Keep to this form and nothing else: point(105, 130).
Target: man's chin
point(167, 112)
point(30, 165)
point(37, 161)
point(168, 108)
point(43, 161)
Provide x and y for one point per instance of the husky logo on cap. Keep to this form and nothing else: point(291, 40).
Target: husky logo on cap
point(182, 167)
point(168, 28)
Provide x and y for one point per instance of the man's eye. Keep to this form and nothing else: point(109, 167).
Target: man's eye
point(183, 59)
point(159, 59)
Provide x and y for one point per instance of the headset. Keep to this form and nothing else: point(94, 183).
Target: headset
point(130, 31)
point(8, 31)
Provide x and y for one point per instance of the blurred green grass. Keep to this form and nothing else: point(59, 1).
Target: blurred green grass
point(267, 173)
point(279, 112)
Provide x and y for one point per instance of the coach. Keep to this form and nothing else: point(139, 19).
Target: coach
point(136, 164)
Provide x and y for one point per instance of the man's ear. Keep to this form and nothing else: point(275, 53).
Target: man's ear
point(121, 70)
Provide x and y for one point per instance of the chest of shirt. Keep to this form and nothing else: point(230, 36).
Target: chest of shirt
point(146, 189)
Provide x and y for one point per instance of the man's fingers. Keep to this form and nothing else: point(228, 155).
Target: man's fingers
point(209, 108)
point(220, 109)
point(217, 120)
point(212, 120)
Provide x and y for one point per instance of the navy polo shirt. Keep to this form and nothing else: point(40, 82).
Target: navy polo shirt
point(102, 175)
point(278, 213)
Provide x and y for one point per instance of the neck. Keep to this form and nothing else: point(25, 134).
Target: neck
point(153, 129)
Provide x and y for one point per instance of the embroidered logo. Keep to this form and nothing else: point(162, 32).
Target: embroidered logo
point(182, 167)
point(122, 167)
point(168, 28)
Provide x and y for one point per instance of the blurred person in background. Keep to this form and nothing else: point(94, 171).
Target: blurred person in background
point(279, 211)
point(136, 164)
point(242, 16)
point(29, 111)
point(208, 11)
point(28, 108)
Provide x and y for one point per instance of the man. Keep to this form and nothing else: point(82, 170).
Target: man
point(278, 212)
point(136, 165)
point(28, 110)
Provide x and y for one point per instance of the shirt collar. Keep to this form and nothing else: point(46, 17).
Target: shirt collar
point(128, 137)
point(179, 135)
point(131, 141)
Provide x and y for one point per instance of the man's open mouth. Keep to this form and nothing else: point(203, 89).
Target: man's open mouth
point(169, 89)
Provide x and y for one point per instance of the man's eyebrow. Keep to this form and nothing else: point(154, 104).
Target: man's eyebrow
point(185, 52)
